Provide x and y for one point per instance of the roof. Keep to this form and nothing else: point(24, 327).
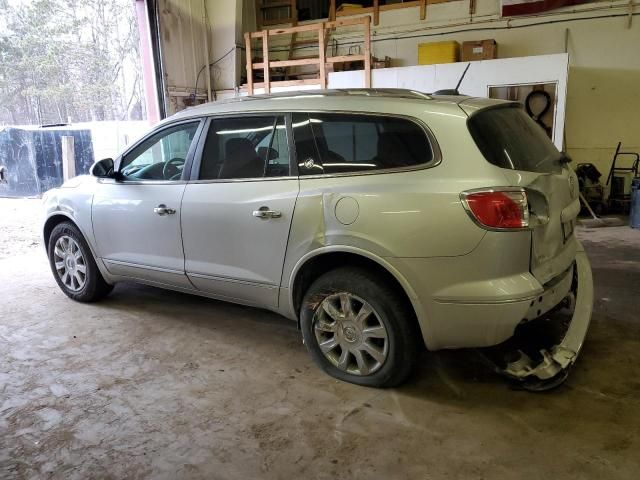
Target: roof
point(354, 99)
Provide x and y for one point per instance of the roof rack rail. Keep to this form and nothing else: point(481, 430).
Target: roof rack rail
point(365, 92)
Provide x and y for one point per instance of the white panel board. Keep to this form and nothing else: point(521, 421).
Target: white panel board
point(414, 78)
point(481, 76)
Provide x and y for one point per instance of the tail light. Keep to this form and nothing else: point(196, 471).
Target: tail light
point(497, 208)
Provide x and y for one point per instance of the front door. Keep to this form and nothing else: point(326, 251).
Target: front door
point(237, 210)
point(136, 220)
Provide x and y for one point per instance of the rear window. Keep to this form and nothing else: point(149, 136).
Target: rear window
point(509, 138)
point(344, 143)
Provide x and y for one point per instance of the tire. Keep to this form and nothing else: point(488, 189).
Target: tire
point(87, 286)
point(361, 292)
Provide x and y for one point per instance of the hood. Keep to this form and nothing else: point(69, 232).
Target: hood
point(77, 181)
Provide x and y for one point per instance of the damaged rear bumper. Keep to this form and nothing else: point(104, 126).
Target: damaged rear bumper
point(550, 363)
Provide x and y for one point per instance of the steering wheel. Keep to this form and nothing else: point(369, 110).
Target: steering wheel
point(170, 168)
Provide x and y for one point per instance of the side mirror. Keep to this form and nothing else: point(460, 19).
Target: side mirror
point(3, 175)
point(103, 168)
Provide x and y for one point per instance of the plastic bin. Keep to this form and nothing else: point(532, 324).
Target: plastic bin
point(438, 52)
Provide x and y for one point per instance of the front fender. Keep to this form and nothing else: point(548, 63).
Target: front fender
point(73, 204)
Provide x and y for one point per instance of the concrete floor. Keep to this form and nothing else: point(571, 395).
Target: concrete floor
point(154, 384)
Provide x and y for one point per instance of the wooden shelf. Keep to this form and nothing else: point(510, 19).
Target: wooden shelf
point(288, 63)
point(345, 58)
point(374, 10)
point(321, 59)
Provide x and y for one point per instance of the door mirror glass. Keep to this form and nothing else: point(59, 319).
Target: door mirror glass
point(103, 168)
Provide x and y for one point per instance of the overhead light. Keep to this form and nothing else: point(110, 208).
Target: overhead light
point(248, 130)
point(306, 122)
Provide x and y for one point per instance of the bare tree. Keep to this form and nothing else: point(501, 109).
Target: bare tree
point(67, 60)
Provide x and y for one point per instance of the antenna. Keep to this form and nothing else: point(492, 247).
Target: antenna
point(454, 91)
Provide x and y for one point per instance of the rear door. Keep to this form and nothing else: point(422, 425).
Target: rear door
point(511, 140)
point(237, 209)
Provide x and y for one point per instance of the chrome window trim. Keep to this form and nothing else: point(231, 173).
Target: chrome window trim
point(435, 147)
point(142, 182)
point(206, 121)
point(377, 171)
point(236, 180)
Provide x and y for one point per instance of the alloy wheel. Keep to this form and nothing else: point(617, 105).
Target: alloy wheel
point(350, 334)
point(70, 263)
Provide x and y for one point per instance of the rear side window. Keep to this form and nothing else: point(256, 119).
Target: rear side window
point(346, 143)
point(508, 138)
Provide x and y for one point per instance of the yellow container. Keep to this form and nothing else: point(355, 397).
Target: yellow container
point(438, 52)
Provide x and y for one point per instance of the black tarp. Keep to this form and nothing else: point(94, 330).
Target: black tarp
point(33, 158)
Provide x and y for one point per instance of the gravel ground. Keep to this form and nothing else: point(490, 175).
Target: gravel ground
point(155, 384)
point(20, 220)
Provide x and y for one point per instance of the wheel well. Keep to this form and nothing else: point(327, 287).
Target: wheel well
point(50, 224)
point(326, 262)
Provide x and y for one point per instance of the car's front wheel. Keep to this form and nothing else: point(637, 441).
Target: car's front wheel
point(73, 265)
point(358, 329)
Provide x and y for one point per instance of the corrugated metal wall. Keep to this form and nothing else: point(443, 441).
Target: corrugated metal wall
point(189, 43)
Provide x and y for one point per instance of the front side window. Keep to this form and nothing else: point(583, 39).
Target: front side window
point(345, 143)
point(161, 156)
point(247, 147)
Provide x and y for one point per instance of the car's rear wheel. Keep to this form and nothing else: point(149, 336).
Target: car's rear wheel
point(358, 329)
point(73, 265)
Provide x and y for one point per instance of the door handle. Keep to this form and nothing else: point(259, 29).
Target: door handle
point(162, 209)
point(264, 212)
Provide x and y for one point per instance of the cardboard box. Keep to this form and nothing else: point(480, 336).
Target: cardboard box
point(479, 50)
point(380, 62)
point(438, 52)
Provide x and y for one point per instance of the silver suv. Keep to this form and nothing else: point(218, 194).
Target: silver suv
point(380, 220)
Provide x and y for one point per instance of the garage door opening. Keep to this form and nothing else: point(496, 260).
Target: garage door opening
point(72, 88)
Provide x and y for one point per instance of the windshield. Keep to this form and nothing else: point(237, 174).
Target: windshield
point(509, 138)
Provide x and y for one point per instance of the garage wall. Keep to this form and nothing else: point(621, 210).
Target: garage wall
point(603, 103)
point(604, 57)
point(193, 33)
